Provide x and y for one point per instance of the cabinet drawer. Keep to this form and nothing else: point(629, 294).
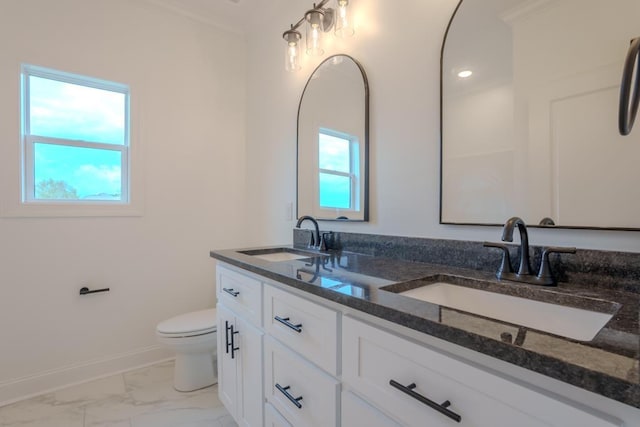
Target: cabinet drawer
point(308, 328)
point(272, 418)
point(302, 393)
point(243, 294)
point(372, 358)
point(358, 413)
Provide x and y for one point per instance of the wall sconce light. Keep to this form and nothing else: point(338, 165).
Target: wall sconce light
point(318, 20)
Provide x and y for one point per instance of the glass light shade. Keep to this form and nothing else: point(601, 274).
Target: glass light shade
point(314, 32)
point(344, 26)
point(292, 54)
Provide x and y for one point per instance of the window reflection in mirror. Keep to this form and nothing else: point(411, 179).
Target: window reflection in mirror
point(338, 170)
point(333, 142)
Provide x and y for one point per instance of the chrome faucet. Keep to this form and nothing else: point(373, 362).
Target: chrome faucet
point(315, 241)
point(544, 276)
point(507, 236)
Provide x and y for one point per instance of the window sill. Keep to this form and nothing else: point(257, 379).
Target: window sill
point(62, 210)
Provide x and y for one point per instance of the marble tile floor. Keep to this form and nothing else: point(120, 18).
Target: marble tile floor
point(140, 398)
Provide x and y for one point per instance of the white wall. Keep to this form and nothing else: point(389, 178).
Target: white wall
point(398, 44)
point(188, 82)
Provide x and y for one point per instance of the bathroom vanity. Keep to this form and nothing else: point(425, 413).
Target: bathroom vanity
point(342, 339)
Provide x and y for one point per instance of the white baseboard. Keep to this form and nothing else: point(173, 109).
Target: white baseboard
point(46, 382)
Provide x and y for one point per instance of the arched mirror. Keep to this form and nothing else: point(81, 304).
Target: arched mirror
point(333, 142)
point(530, 94)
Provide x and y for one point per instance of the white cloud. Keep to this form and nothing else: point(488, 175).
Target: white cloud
point(111, 174)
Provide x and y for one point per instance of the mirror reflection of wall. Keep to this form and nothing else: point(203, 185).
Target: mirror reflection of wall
point(332, 142)
point(532, 131)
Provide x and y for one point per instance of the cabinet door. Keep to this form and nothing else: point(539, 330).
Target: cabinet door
point(249, 359)
point(227, 382)
point(357, 413)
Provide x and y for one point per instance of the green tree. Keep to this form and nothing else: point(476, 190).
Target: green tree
point(52, 189)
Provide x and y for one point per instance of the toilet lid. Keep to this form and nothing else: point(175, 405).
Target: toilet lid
point(194, 323)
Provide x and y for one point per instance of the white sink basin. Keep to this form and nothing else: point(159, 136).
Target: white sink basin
point(569, 322)
point(280, 256)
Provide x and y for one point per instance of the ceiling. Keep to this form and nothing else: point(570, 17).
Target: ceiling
point(233, 15)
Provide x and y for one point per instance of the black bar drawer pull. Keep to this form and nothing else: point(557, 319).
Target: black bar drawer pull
point(442, 408)
point(227, 342)
point(294, 400)
point(231, 292)
point(285, 321)
point(233, 343)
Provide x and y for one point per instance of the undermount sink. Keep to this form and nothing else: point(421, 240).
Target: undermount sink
point(280, 254)
point(570, 322)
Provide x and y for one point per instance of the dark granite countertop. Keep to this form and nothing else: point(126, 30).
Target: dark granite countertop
point(607, 365)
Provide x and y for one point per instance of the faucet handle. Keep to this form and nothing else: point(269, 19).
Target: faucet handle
point(505, 264)
point(544, 274)
point(326, 240)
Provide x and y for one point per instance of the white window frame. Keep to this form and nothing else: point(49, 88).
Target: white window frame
point(355, 169)
point(12, 187)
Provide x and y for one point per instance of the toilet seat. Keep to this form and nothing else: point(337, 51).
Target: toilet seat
point(188, 325)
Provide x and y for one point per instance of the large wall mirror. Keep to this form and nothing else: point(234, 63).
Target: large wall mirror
point(333, 142)
point(530, 92)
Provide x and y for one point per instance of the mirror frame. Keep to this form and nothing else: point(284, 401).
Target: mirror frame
point(487, 224)
point(365, 195)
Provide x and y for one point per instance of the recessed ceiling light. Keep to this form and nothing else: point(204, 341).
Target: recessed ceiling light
point(465, 73)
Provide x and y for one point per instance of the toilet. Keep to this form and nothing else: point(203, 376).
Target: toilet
point(193, 338)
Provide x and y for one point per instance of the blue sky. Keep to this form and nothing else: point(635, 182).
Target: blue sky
point(334, 154)
point(69, 111)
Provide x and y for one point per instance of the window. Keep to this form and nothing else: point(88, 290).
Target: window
point(338, 170)
point(75, 139)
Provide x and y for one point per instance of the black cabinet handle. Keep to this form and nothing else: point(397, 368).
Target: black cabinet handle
point(230, 339)
point(626, 117)
point(285, 321)
point(233, 343)
point(231, 292)
point(226, 336)
point(294, 400)
point(442, 408)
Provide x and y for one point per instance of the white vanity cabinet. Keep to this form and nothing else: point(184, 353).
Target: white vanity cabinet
point(303, 361)
point(240, 348)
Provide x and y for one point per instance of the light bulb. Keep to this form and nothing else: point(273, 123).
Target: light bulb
point(292, 63)
point(343, 24)
point(292, 54)
point(314, 31)
point(465, 73)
